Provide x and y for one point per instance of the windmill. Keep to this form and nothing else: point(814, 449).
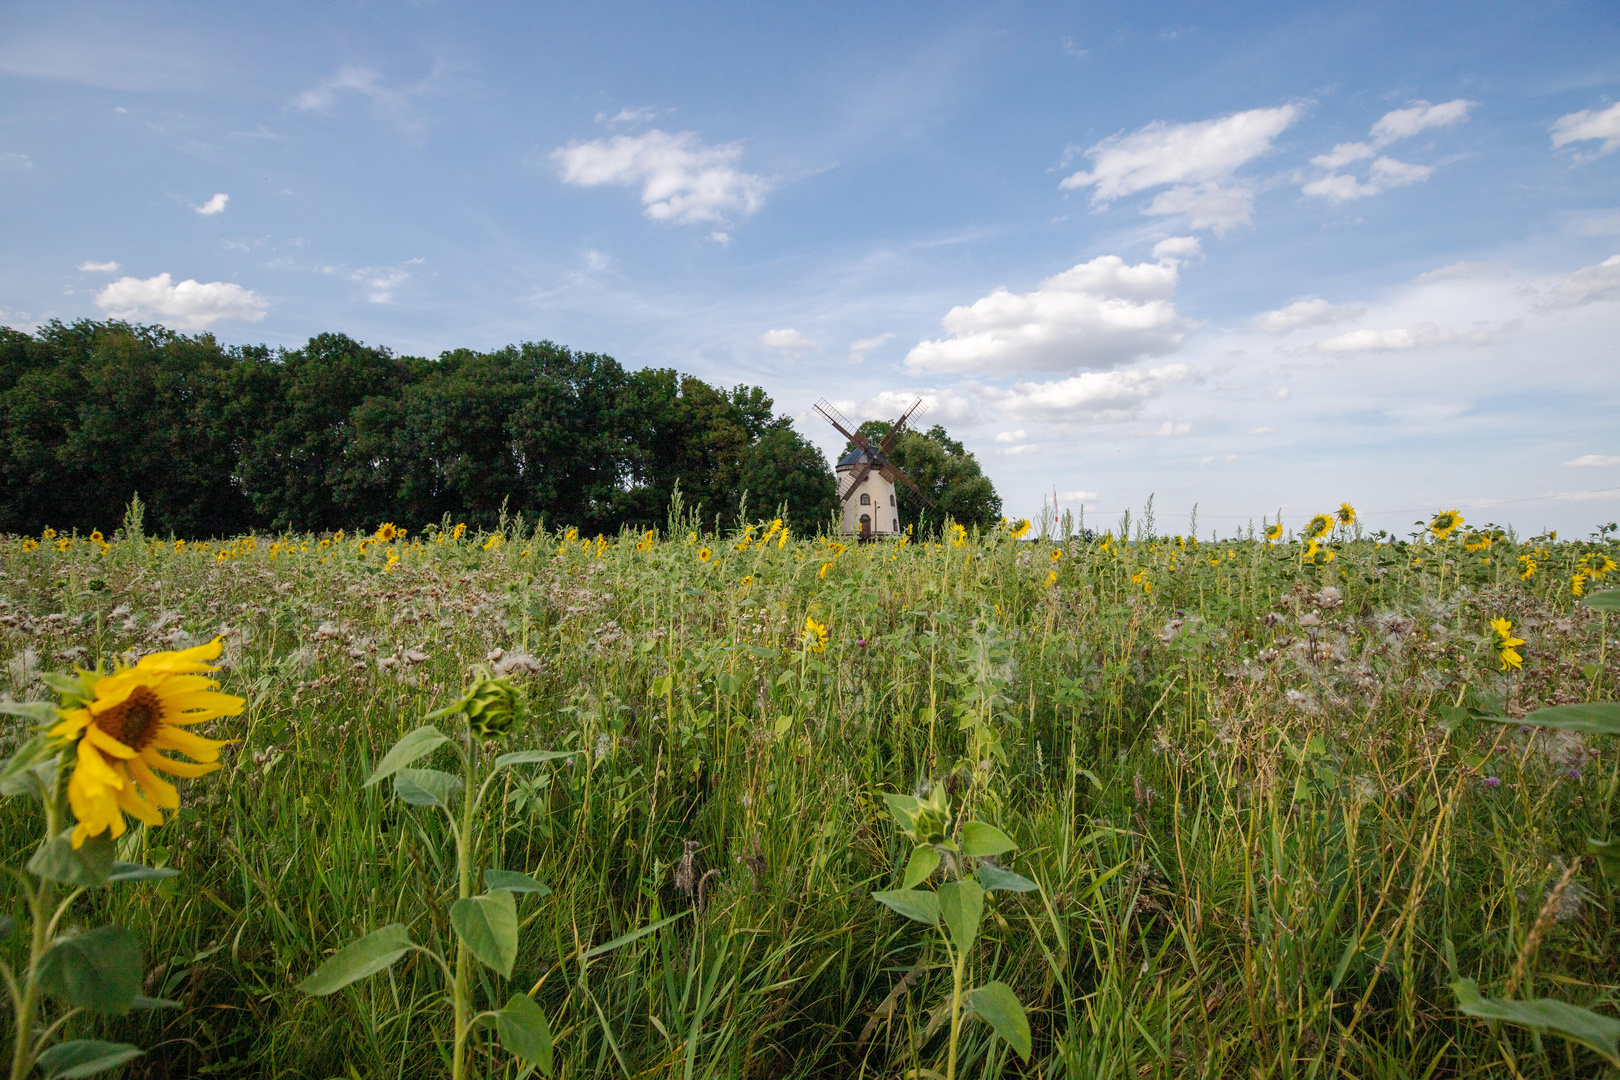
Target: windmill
point(867, 475)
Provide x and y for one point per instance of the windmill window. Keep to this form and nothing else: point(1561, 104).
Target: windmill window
point(894, 526)
point(866, 500)
point(891, 500)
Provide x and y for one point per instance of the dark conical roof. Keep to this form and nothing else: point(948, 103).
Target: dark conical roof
point(855, 456)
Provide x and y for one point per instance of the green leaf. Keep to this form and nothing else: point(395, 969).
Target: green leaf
point(151, 1003)
point(84, 1057)
point(130, 871)
point(1607, 853)
point(625, 939)
point(17, 775)
point(1601, 1033)
point(527, 757)
point(99, 970)
point(992, 878)
point(981, 839)
point(1609, 600)
point(426, 787)
point(998, 1006)
point(524, 1031)
point(488, 926)
point(961, 904)
point(918, 904)
point(415, 744)
point(923, 862)
point(1593, 718)
point(87, 868)
point(361, 958)
point(512, 881)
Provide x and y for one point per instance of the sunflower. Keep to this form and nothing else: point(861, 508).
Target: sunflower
point(1346, 514)
point(1505, 642)
point(704, 554)
point(1445, 523)
point(386, 532)
point(815, 635)
point(1318, 526)
point(1020, 529)
point(134, 713)
point(1273, 532)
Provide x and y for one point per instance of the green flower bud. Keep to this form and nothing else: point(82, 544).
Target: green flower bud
point(490, 705)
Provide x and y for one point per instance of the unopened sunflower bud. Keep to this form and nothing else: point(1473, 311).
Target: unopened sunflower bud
point(489, 705)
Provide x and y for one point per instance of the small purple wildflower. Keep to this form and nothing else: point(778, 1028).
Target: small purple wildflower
point(1574, 774)
point(861, 643)
point(1492, 781)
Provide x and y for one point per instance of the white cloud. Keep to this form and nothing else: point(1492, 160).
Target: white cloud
point(1419, 116)
point(788, 340)
point(859, 349)
point(92, 267)
point(1207, 206)
point(190, 305)
point(1396, 340)
point(938, 405)
point(1589, 284)
point(1589, 461)
point(391, 104)
point(1262, 431)
point(1385, 172)
point(721, 238)
point(1027, 448)
point(1458, 271)
point(1391, 173)
point(216, 205)
point(1169, 427)
point(380, 281)
point(1342, 155)
point(11, 159)
point(1076, 496)
point(1340, 188)
point(1282, 393)
point(1588, 125)
point(1195, 153)
point(1306, 313)
point(682, 179)
point(1178, 247)
point(1095, 397)
point(1012, 436)
point(1094, 315)
point(627, 116)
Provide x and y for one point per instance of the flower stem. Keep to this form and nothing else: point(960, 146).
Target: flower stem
point(462, 985)
point(40, 901)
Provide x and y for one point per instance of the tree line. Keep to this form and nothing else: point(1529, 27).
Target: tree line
point(336, 434)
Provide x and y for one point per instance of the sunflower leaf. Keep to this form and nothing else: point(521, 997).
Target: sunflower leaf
point(513, 881)
point(1601, 1033)
point(1592, 718)
point(426, 787)
point(981, 839)
point(488, 926)
point(918, 904)
point(361, 958)
point(924, 861)
point(525, 757)
point(20, 775)
point(1603, 601)
point(994, 877)
point(413, 745)
point(98, 970)
point(84, 1057)
point(997, 1005)
point(87, 868)
point(129, 871)
point(524, 1031)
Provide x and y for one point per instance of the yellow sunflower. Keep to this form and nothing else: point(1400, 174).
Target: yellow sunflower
point(136, 712)
point(1346, 514)
point(1273, 532)
point(704, 554)
point(1444, 523)
point(1505, 644)
point(815, 635)
point(1318, 526)
point(1020, 529)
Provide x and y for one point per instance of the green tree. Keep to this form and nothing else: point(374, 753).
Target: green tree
point(783, 468)
point(946, 472)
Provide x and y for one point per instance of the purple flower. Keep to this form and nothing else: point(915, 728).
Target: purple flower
point(1492, 781)
point(861, 643)
point(1574, 774)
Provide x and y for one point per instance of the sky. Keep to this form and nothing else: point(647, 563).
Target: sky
point(1250, 258)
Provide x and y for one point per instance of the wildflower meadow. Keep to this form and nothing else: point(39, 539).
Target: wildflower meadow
point(1027, 800)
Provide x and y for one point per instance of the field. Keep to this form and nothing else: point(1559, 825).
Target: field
point(1252, 779)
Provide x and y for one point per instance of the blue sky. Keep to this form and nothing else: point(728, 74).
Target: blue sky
point(1246, 256)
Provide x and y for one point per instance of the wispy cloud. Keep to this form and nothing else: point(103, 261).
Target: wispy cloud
point(1589, 125)
point(215, 205)
point(1385, 172)
point(91, 267)
point(682, 178)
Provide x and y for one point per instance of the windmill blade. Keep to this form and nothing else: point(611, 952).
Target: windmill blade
point(917, 409)
point(900, 474)
point(830, 413)
point(856, 476)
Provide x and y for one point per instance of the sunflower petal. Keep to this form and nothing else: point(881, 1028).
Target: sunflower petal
point(193, 708)
point(94, 769)
point(177, 768)
point(176, 685)
point(73, 722)
point(138, 808)
point(103, 741)
point(194, 746)
point(158, 789)
point(185, 661)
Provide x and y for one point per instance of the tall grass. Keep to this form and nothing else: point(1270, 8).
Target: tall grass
point(1267, 829)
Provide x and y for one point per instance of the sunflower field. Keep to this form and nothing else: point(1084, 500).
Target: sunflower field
point(509, 802)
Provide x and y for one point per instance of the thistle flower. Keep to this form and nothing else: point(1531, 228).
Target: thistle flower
point(1505, 644)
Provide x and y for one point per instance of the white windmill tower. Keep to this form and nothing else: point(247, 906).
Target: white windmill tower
point(866, 476)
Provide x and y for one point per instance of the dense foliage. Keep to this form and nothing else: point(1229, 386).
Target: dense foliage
point(338, 434)
point(945, 471)
point(1255, 782)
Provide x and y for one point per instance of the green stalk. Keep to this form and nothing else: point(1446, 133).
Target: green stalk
point(460, 988)
point(40, 901)
point(960, 960)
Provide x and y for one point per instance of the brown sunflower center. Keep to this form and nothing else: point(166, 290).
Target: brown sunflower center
point(134, 721)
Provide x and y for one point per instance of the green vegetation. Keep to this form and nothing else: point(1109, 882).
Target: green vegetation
point(1032, 801)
